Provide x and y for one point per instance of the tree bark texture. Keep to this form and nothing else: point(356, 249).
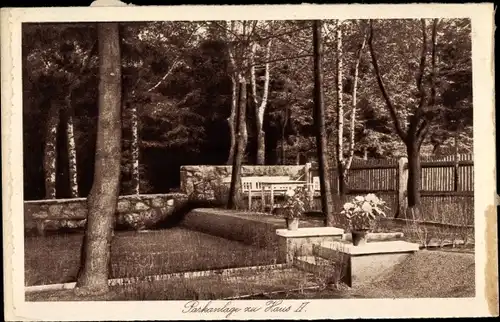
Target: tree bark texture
point(319, 119)
point(235, 187)
point(414, 178)
point(50, 151)
point(72, 157)
point(102, 200)
point(354, 108)
point(134, 146)
point(260, 107)
point(340, 113)
point(232, 118)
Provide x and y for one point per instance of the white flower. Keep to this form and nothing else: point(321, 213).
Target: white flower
point(359, 198)
point(366, 207)
point(290, 193)
point(372, 197)
point(348, 206)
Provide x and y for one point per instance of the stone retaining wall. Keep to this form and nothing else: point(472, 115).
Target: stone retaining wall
point(205, 181)
point(135, 212)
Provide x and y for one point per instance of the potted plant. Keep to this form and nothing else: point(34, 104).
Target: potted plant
point(293, 208)
point(362, 213)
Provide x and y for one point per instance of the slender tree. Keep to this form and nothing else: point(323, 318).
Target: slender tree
point(70, 142)
point(232, 119)
point(260, 107)
point(419, 118)
point(50, 150)
point(70, 131)
point(340, 111)
point(235, 187)
point(103, 197)
point(319, 120)
point(134, 147)
point(354, 107)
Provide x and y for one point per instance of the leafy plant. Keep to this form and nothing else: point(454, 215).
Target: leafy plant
point(295, 203)
point(363, 211)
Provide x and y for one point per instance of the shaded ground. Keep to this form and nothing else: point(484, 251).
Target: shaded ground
point(425, 274)
point(437, 274)
point(55, 259)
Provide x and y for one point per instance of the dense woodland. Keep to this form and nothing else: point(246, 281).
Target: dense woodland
point(179, 96)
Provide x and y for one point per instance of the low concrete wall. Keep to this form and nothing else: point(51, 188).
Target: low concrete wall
point(133, 212)
point(204, 181)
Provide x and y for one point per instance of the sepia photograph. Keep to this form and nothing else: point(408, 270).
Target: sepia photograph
point(207, 162)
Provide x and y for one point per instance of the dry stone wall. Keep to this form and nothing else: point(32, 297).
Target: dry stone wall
point(206, 181)
point(135, 212)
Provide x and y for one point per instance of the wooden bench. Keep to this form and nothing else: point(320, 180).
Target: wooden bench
point(262, 186)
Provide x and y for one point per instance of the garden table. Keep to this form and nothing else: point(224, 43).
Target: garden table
point(278, 187)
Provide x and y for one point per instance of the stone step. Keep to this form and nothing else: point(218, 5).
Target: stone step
point(377, 236)
point(331, 250)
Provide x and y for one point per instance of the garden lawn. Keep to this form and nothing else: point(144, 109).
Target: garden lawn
point(55, 259)
point(424, 274)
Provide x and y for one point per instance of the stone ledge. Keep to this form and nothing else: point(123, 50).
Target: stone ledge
point(310, 232)
point(384, 247)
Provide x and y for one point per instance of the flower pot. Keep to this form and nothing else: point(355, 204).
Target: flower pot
point(292, 223)
point(359, 237)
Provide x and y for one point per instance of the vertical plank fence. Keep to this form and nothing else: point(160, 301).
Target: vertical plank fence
point(442, 179)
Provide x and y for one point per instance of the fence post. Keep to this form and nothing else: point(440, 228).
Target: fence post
point(402, 187)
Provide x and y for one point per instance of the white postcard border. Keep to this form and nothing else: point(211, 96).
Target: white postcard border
point(481, 16)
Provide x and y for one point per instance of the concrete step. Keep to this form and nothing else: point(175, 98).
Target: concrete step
point(335, 251)
point(377, 236)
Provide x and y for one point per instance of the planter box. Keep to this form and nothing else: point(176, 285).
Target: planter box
point(362, 264)
point(300, 242)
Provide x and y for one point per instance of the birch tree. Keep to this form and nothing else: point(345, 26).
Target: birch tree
point(344, 158)
point(75, 82)
point(103, 197)
point(354, 105)
point(340, 110)
point(260, 106)
point(50, 151)
point(155, 32)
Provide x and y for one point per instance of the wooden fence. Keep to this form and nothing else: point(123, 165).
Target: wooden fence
point(443, 174)
point(442, 179)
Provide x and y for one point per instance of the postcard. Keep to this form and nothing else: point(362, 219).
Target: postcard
point(248, 162)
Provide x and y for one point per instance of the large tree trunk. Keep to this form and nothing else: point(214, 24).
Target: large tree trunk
point(340, 113)
point(414, 177)
point(319, 119)
point(70, 141)
point(50, 151)
point(134, 147)
point(235, 187)
point(103, 197)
